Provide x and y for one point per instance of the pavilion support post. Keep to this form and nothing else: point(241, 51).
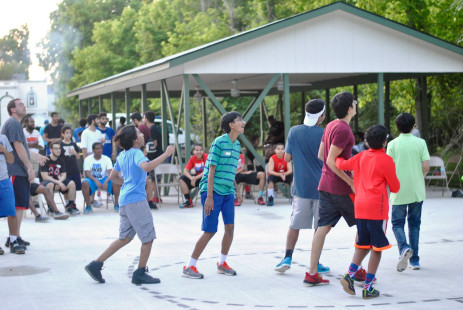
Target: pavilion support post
point(356, 117)
point(211, 96)
point(262, 117)
point(253, 106)
point(187, 128)
point(127, 103)
point(204, 112)
point(80, 109)
point(328, 106)
point(387, 105)
point(113, 109)
point(144, 100)
point(100, 104)
point(381, 98)
point(89, 106)
point(165, 130)
point(286, 96)
point(424, 110)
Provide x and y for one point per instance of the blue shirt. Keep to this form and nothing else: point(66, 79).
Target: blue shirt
point(133, 189)
point(108, 143)
point(76, 133)
point(303, 144)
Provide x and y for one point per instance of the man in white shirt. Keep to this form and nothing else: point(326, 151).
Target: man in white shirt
point(97, 168)
point(91, 135)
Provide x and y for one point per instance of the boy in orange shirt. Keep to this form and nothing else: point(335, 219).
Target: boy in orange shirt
point(279, 170)
point(374, 170)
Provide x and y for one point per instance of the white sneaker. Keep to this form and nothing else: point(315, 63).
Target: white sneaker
point(96, 203)
point(403, 260)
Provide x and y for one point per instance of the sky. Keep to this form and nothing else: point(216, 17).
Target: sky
point(35, 13)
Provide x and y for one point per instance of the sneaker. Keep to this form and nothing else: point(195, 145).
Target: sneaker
point(403, 260)
point(415, 266)
point(60, 216)
point(260, 201)
point(1, 251)
point(74, 210)
point(94, 270)
point(157, 200)
point(88, 210)
point(116, 208)
point(187, 204)
point(270, 201)
point(50, 212)
point(16, 248)
point(348, 284)
point(237, 203)
point(23, 243)
point(316, 279)
point(366, 294)
point(225, 269)
point(140, 276)
point(322, 269)
point(97, 203)
point(284, 265)
point(192, 272)
point(360, 277)
point(152, 205)
point(41, 219)
point(248, 195)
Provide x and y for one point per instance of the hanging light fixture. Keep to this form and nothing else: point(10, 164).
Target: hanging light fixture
point(197, 96)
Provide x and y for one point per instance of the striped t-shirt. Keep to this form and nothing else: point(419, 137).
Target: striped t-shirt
point(224, 155)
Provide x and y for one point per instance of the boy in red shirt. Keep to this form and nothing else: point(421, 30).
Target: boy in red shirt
point(374, 170)
point(189, 181)
point(279, 170)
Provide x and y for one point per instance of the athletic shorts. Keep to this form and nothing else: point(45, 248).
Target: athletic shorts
point(333, 207)
point(22, 190)
point(275, 179)
point(93, 186)
point(372, 234)
point(34, 187)
point(304, 212)
point(188, 182)
point(7, 201)
point(136, 219)
point(77, 180)
point(250, 178)
point(222, 203)
point(65, 182)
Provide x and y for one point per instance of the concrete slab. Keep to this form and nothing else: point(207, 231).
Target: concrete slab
point(50, 275)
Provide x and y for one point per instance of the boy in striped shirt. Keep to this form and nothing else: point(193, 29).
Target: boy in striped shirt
point(217, 193)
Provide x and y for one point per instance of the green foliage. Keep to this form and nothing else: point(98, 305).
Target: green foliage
point(14, 54)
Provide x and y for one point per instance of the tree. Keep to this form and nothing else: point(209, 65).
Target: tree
point(14, 53)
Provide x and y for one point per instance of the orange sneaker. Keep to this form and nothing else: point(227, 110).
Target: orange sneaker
point(316, 279)
point(192, 272)
point(225, 269)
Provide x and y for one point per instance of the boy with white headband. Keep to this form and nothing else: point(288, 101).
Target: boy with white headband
point(302, 148)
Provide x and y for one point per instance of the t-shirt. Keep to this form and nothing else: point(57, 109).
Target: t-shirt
point(54, 167)
point(241, 162)
point(3, 167)
point(224, 155)
point(408, 153)
point(108, 143)
point(33, 138)
point(98, 168)
point(13, 131)
point(303, 144)
point(53, 132)
point(336, 133)
point(280, 164)
point(76, 133)
point(88, 138)
point(133, 189)
point(197, 164)
point(155, 135)
point(373, 171)
point(70, 160)
point(145, 131)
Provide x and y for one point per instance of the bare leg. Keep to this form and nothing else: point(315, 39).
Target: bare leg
point(227, 238)
point(32, 208)
point(71, 190)
point(270, 185)
point(145, 252)
point(19, 219)
point(13, 224)
point(116, 192)
point(359, 256)
point(48, 197)
point(261, 177)
point(183, 187)
point(201, 244)
point(317, 246)
point(291, 238)
point(373, 263)
point(113, 248)
point(86, 192)
point(149, 189)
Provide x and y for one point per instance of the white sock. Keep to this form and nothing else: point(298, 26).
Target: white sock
point(192, 262)
point(13, 238)
point(223, 259)
point(66, 201)
point(270, 192)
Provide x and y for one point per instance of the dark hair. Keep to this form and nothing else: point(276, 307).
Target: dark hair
point(95, 144)
point(26, 120)
point(360, 134)
point(91, 118)
point(64, 128)
point(136, 115)
point(122, 120)
point(61, 121)
point(102, 114)
point(11, 105)
point(126, 136)
point(341, 103)
point(50, 145)
point(405, 122)
point(376, 135)
point(228, 118)
point(314, 106)
point(82, 122)
point(277, 144)
point(149, 115)
point(195, 145)
point(53, 113)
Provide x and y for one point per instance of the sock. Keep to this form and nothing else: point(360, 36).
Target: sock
point(289, 253)
point(13, 238)
point(71, 201)
point(261, 193)
point(187, 197)
point(192, 262)
point(223, 258)
point(369, 281)
point(352, 270)
point(270, 192)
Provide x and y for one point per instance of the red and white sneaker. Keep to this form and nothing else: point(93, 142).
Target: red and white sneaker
point(316, 279)
point(225, 269)
point(237, 202)
point(360, 276)
point(260, 201)
point(192, 272)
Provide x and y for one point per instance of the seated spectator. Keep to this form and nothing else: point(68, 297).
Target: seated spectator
point(276, 132)
point(97, 167)
point(76, 136)
point(70, 153)
point(360, 143)
point(190, 180)
point(52, 209)
point(150, 184)
point(278, 171)
point(249, 177)
point(54, 177)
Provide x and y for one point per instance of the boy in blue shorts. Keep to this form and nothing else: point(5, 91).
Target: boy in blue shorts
point(373, 172)
point(7, 205)
point(217, 193)
point(136, 217)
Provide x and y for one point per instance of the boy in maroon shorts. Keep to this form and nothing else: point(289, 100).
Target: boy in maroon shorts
point(374, 170)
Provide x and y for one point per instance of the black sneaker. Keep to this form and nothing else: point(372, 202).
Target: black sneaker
point(1, 251)
point(140, 277)
point(50, 212)
point(94, 270)
point(366, 294)
point(270, 201)
point(16, 248)
point(187, 204)
point(348, 284)
point(152, 205)
point(21, 242)
point(248, 195)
